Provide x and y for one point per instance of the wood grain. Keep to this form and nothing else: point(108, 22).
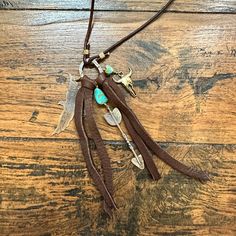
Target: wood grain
point(228, 6)
point(47, 191)
point(184, 72)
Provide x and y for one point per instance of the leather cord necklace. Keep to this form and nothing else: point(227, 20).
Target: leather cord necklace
point(102, 55)
point(105, 89)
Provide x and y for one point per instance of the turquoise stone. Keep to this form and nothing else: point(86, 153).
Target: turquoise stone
point(109, 70)
point(100, 97)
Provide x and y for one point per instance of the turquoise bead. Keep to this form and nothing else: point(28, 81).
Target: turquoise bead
point(109, 70)
point(100, 97)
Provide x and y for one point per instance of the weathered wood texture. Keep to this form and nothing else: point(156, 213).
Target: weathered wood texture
point(131, 5)
point(185, 70)
point(47, 191)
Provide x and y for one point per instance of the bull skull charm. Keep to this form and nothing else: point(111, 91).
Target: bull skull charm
point(126, 81)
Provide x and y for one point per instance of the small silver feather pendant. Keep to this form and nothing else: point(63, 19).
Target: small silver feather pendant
point(68, 106)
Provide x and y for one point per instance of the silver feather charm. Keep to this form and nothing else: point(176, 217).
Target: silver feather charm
point(68, 105)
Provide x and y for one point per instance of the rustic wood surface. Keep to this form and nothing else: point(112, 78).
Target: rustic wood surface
point(221, 6)
point(185, 71)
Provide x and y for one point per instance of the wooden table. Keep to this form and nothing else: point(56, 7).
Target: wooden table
point(185, 77)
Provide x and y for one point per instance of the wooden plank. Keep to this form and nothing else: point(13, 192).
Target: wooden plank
point(184, 64)
point(125, 5)
point(45, 190)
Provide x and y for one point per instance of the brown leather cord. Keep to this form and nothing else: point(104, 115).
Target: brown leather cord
point(153, 146)
point(88, 60)
point(143, 149)
point(84, 142)
point(89, 31)
point(143, 141)
point(100, 147)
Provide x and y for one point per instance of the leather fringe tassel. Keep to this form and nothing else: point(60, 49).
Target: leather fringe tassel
point(140, 136)
point(85, 124)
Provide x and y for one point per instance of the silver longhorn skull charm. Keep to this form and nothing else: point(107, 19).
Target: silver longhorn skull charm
point(126, 81)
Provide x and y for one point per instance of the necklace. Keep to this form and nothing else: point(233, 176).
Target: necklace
point(105, 89)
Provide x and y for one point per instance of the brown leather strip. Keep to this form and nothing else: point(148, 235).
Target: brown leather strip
point(147, 156)
point(88, 83)
point(89, 31)
point(163, 155)
point(88, 60)
point(100, 147)
point(84, 142)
